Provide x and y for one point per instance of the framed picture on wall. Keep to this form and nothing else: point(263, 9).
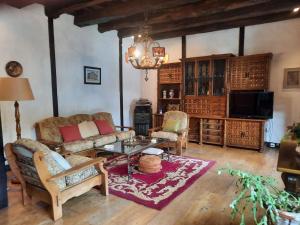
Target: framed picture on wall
point(92, 75)
point(291, 78)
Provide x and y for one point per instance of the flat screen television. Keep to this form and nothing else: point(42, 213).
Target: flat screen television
point(252, 105)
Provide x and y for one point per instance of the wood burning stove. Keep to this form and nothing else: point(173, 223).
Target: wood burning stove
point(142, 117)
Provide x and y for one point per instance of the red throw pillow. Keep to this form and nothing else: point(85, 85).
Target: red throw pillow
point(104, 127)
point(70, 133)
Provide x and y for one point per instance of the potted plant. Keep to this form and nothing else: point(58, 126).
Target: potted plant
point(260, 196)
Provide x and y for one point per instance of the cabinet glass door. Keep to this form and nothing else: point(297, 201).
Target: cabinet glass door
point(189, 78)
point(203, 78)
point(218, 77)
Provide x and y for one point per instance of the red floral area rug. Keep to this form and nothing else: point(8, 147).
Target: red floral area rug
point(158, 189)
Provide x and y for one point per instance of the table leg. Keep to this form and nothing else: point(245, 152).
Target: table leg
point(129, 169)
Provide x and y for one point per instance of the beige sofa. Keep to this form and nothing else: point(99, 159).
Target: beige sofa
point(47, 132)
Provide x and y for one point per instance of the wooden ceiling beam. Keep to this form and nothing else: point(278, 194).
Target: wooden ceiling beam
point(199, 9)
point(126, 8)
point(73, 7)
point(227, 25)
point(277, 6)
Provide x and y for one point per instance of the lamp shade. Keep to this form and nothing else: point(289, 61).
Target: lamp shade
point(15, 89)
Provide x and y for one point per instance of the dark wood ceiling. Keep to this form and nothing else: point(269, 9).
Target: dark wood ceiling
point(168, 18)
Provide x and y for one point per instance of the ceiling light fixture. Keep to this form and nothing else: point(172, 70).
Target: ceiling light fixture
point(145, 53)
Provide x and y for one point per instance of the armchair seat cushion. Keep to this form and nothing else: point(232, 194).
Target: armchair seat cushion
point(75, 178)
point(123, 135)
point(165, 135)
point(77, 146)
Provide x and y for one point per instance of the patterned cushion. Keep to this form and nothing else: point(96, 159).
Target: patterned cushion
point(104, 140)
point(177, 115)
point(79, 176)
point(123, 135)
point(104, 116)
point(165, 135)
point(77, 146)
point(53, 167)
point(171, 125)
point(88, 129)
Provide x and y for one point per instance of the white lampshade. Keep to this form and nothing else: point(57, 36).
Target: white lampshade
point(15, 89)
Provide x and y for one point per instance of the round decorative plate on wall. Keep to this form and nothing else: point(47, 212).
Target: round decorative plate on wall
point(14, 68)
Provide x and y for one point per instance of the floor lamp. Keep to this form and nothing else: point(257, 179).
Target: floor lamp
point(15, 89)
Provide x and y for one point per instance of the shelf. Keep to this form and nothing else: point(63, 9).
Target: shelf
point(212, 142)
point(213, 135)
point(212, 129)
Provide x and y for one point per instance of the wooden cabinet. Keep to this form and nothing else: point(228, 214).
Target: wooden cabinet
point(169, 80)
point(250, 72)
point(205, 85)
point(212, 131)
point(245, 133)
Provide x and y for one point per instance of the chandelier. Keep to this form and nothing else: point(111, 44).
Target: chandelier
point(145, 53)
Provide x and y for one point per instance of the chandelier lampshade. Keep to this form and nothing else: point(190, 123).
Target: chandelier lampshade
point(145, 53)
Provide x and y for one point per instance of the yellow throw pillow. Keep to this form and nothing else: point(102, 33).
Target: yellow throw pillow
point(171, 125)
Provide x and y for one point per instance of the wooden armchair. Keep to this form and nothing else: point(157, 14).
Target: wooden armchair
point(177, 140)
point(41, 180)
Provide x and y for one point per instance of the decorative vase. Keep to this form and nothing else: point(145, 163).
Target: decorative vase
point(171, 93)
point(164, 94)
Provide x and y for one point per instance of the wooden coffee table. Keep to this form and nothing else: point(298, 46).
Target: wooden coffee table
point(133, 148)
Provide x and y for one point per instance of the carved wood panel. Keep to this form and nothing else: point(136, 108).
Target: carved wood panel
point(244, 133)
point(249, 72)
point(206, 105)
point(170, 73)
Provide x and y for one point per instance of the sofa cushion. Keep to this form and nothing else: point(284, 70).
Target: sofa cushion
point(77, 146)
point(123, 135)
point(177, 115)
point(104, 140)
point(88, 129)
point(54, 168)
point(104, 116)
point(75, 178)
point(70, 133)
point(165, 135)
point(104, 127)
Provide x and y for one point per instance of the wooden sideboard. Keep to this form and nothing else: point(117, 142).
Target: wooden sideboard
point(201, 86)
point(233, 132)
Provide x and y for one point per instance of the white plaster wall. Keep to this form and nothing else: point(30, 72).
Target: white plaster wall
point(24, 38)
point(78, 47)
point(132, 89)
point(217, 42)
point(282, 39)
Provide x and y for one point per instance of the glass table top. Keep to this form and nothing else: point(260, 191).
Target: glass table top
point(131, 148)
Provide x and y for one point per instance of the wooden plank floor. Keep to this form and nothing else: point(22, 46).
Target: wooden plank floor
point(204, 203)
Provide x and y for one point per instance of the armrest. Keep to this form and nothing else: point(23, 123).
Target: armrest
point(129, 128)
point(52, 144)
point(78, 168)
